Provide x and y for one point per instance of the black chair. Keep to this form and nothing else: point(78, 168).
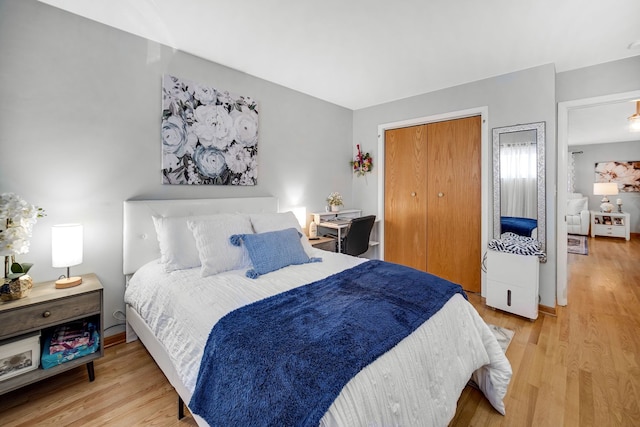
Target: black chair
point(356, 240)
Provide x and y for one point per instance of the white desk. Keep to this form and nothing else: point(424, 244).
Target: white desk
point(338, 221)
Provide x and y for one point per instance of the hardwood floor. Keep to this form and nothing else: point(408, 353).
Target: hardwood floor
point(579, 368)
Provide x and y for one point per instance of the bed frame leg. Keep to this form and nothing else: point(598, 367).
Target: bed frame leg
point(180, 408)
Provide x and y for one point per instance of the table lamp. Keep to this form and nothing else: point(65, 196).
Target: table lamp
point(605, 189)
point(66, 251)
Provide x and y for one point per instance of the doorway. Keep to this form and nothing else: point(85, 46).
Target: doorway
point(563, 160)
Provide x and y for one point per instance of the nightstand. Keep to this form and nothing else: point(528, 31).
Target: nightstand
point(45, 308)
point(324, 243)
point(612, 224)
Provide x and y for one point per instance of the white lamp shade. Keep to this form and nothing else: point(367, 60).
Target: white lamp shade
point(605, 188)
point(66, 245)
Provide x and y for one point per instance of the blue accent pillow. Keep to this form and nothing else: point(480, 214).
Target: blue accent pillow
point(272, 250)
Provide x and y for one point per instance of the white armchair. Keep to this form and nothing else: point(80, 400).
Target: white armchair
point(577, 214)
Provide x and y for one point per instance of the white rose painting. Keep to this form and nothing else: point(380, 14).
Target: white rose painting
point(208, 136)
point(625, 174)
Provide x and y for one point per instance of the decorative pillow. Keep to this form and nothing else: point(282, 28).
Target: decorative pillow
point(272, 250)
point(272, 221)
point(177, 246)
point(575, 206)
point(212, 240)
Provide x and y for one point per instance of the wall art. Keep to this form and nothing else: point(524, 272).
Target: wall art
point(209, 136)
point(625, 174)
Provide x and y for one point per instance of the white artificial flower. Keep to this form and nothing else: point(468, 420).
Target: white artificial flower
point(17, 218)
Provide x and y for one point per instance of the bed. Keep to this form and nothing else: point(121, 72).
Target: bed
point(527, 227)
point(417, 382)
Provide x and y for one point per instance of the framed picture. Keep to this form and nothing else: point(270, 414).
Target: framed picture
point(209, 136)
point(606, 219)
point(625, 174)
point(618, 221)
point(596, 220)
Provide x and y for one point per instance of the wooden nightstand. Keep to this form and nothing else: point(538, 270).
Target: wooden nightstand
point(45, 308)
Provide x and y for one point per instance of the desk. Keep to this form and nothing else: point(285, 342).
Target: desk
point(338, 221)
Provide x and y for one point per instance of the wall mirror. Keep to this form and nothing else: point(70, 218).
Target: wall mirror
point(519, 181)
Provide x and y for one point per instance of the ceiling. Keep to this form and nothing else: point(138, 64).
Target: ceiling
point(359, 53)
point(602, 123)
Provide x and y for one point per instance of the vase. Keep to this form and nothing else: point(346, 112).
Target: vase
point(16, 288)
point(335, 208)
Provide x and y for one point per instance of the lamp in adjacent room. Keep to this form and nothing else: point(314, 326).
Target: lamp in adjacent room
point(634, 119)
point(605, 189)
point(66, 251)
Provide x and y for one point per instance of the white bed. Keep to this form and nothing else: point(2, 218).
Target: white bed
point(416, 383)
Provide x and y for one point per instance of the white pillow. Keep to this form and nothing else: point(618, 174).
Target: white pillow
point(216, 252)
point(263, 222)
point(575, 206)
point(178, 249)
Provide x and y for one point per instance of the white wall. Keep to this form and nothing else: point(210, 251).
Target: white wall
point(585, 174)
point(80, 114)
point(521, 97)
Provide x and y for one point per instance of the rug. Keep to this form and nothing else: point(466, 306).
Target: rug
point(504, 337)
point(577, 244)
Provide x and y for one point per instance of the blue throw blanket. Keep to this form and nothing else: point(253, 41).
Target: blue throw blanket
point(282, 361)
point(517, 225)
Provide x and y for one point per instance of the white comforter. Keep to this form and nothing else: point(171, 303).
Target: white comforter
point(416, 383)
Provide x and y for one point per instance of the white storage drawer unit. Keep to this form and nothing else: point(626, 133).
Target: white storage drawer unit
point(512, 283)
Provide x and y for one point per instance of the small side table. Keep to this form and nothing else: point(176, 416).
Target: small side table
point(46, 307)
point(324, 243)
point(611, 224)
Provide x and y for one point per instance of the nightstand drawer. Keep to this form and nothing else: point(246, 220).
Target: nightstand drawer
point(13, 322)
point(610, 230)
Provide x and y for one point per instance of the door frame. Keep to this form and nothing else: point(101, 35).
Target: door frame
point(563, 176)
point(485, 167)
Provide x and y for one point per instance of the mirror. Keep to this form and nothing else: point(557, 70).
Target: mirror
point(519, 181)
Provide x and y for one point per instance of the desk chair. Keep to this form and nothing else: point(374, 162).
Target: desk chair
point(356, 241)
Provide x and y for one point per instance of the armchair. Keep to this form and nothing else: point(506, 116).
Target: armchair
point(577, 214)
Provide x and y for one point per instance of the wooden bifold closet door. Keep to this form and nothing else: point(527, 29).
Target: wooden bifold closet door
point(432, 199)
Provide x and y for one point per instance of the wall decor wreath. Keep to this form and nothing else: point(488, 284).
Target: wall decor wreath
point(362, 163)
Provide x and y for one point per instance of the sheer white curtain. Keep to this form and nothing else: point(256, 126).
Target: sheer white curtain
point(518, 173)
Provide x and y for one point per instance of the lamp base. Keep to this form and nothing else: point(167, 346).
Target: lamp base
point(606, 207)
point(68, 282)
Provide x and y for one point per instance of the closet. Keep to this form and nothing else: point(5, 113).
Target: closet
point(432, 206)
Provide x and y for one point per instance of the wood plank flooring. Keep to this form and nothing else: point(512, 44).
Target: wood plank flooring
point(579, 368)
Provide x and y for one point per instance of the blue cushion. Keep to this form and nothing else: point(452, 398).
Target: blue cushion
point(272, 250)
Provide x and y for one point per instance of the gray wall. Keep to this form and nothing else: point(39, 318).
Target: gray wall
point(80, 113)
point(516, 98)
point(585, 174)
point(598, 80)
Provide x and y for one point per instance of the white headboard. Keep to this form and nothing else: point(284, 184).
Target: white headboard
point(140, 244)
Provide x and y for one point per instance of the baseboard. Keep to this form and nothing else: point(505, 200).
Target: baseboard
point(115, 339)
point(547, 310)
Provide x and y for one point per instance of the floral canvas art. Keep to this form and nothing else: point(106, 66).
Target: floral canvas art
point(625, 174)
point(209, 136)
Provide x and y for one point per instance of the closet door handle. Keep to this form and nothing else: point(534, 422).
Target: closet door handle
point(413, 194)
point(441, 194)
